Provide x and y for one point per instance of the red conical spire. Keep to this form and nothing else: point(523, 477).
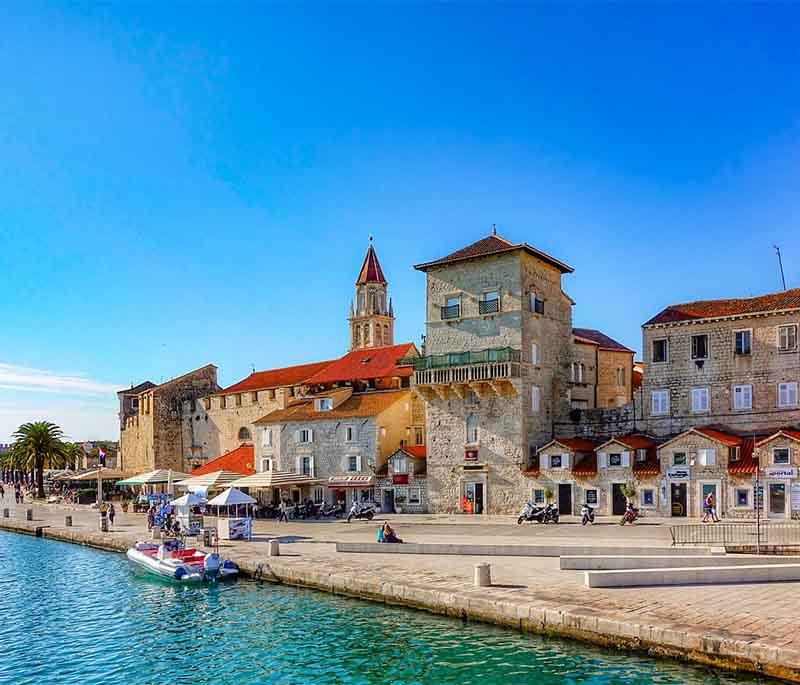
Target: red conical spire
point(371, 271)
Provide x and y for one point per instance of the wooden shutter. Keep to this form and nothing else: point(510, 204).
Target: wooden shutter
point(545, 462)
point(603, 460)
point(297, 435)
point(626, 459)
point(565, 460)
point(310, 435)
point(358, 463)
point(298, 465)
point(311, 468)
point(711, 457)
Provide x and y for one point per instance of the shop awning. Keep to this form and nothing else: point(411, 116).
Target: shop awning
point(275, 479)
point(340, 482)
point(214, 480)
point(93, 475)
point(155, 477)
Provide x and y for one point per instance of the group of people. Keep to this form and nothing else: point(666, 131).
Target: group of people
point(21, 491)
point(165, 517)
point(386, 534)
point(109, 511)
point(710, 508)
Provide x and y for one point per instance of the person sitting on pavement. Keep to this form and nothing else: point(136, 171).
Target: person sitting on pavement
point(389, 534)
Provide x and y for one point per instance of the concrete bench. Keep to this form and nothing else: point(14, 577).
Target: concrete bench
point(515, 550)
point(703, 575)
point(615, 563)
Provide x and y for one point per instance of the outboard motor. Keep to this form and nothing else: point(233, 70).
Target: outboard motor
point(211, 566)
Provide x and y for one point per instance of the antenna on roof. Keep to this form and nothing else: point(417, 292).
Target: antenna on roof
point(780, 264)
point(494, 229)
point(253, 366)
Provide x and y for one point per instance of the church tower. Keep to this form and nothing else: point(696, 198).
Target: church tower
point(371, 314)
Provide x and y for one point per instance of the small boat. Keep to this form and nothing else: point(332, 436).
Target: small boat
point(171, 560)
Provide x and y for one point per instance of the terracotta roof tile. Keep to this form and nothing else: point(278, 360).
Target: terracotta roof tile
point(634, 442)
point(371, 271)
point(601, 339)
point(241, 460)
point(276, 378)
point(587, 466)
point(791, 433)
point(416, 451)
point(704, 309)
point(365, 364)
point(574, 444)
point(491, 245)
point(720, 436)
point(747, 463)
point(358, 405)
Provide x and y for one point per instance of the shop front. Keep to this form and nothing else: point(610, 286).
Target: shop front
point(779, 456)
point(347, 489)
point(402, 482)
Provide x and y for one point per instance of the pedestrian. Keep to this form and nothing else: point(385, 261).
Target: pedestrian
point(112, 512)
point(2, 492)
point(713, 503)
point(284, 511)
point(710, 508)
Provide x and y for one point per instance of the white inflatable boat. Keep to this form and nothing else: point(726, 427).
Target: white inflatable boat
point(169, 560)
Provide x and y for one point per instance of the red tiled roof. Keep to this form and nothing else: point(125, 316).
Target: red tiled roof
point(492, 245)
point(532, 473)
point(276, 378)
point(601, 339)
point(416, 451)
point(575, 444)
point(747, 463)
point(365, 364)
point(649, 467)
point(586, 466)
point(720, 436)
point(634, 442)
point(241, 460)
point(357, 405)
point(371, 271)
point(704, 309)
point(792, 433)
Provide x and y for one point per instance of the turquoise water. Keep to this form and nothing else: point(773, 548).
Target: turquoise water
point(76, 615)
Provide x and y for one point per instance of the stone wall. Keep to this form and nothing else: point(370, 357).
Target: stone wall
point(764, 369)
point(609, 392)
point(601, 424)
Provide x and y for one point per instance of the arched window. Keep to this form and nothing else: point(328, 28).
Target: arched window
point(366, 334)
point(373, 302)
point(382, 301)
point(244, 434)
point(378, 337)
point(386, 339)
point(360, 302)
point(472, 429)
point(357, 336)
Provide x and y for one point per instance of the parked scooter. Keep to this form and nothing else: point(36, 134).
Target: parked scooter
point(326, 511)
point(530, 512)
point(587, 514)
point(630, 515)
point(362, 510)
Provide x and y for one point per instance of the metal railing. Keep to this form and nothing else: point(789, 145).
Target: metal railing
point(488, 306)
point(737, 534)
point(443, 361)
point(467, 374)
point(451, 312)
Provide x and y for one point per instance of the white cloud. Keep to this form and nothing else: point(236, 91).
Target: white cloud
point(23, 379)
point(78, 421)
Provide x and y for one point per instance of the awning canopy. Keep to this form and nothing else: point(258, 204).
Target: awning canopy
point(154, 477)
point(188, 500)
point(276, 479)
point(215, 479)
point(94, 474)
point(360, 481)
point(231, 497)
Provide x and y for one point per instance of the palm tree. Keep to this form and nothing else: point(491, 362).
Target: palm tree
point(72, 455)
point(36, 444)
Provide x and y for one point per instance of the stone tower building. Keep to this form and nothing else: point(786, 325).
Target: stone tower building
point(371, 314)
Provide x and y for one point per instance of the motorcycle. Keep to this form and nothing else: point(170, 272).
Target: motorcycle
point(630, 515)
point(587, 514)
point(530, 512)
point(328, 511)
point(362, 510)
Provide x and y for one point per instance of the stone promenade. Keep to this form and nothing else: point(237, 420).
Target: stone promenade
point(748, 627)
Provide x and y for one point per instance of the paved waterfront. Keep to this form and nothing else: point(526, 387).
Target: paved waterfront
point(759, 623)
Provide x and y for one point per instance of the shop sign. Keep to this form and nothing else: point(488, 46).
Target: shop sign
point(471, 455)
point(678, 473)
point(780, 472)
point(400, 479)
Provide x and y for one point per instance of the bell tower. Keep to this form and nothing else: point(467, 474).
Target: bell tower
point(371, 313)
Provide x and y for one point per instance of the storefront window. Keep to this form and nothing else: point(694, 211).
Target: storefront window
point(648, 498)
point(414, 496)
point(538, 496)
point(679, 458)
point(591, 497)
point(742, 497)
point(780, 455)
point(400, 495)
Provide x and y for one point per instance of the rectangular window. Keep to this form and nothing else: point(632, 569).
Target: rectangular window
point(742, 497)
point(787, 338)
point(536, 303)
point(319, 495)
point(555, 461)
point(780, 455)
point(699, 399)
point(238, 399)
point(699, 346)
point(254, 397)
point(324, 404)
point(615, 459)
point(641, 455)
point(660, 350)
point(534, 353)
point(266, 438)
point(305, 466)
point(304, 435)
point(536, 399)
point(419, 435)
point(349, 433)
point(621, 377)
point(591, 497)
point(414, 496)
point(742, 396)
point(787, 394)
point(538, 496)
point(400, 465)
point(489, 302)
point(659, 401)
point(223, 402)
point(648, 498)
point(743, 341)
point(266, 465)
point(679, 458)
point(452, 307)
point(352, 463)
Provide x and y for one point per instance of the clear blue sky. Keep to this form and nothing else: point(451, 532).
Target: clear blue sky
point(196, 183)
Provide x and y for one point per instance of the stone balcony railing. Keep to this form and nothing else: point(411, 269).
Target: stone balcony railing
point(494, 367)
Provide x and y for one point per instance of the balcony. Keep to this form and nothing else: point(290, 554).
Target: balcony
point(453, 311)
point(488, 306)
point(487, 372)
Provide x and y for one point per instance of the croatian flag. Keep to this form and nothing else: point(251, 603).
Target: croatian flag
point(101, 455)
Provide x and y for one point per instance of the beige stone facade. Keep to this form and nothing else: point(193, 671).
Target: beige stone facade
point(157, 436)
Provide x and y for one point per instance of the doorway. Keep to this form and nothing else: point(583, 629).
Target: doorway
point(565, 499)
point(387, 506)
point(618, 499)
point(678, 499)
point(705, 490)
point(473, 493)
point(777, 500)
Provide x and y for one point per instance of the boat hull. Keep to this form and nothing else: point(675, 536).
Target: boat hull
point(175, 569)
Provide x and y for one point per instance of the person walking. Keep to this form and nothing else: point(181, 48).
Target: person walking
point(710, 508)
point(112, 512)
point(283, 514)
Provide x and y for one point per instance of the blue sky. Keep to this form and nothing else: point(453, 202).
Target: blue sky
point(191, 183)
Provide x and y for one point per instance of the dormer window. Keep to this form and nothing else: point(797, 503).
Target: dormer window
point(324, 404)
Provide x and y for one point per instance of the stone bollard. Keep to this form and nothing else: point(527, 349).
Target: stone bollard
point(156, 532)
point(68, 521)
point(483, 575)
point(103, 524)
point(29, 514)
point(6, 513)
point(273, 548)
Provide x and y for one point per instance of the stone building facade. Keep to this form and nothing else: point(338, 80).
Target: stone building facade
point(401, 485)
point(733, 362)
point(602, 373)
point(158, 435)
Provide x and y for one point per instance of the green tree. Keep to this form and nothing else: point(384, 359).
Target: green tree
point(72, 455)
point(38, 444)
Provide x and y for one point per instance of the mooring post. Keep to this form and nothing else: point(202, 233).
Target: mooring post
point(483, 575)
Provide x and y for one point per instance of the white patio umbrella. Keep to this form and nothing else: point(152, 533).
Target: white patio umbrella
point(231, 498)
point(209, 481)
point(188, 500)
